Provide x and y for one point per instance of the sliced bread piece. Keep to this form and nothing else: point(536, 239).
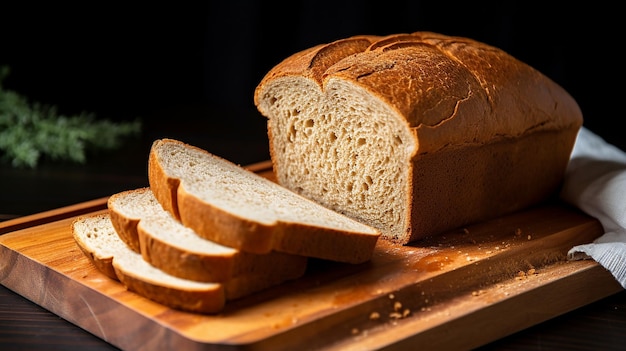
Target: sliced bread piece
point(97, 238)
point(230, 205)
point(176, 249)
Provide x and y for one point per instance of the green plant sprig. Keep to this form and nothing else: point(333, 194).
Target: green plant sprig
point(32, 131)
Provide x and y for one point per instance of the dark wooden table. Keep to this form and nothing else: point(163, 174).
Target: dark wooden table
point(26, 326)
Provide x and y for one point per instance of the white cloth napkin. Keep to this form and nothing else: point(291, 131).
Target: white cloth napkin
point(595, 182)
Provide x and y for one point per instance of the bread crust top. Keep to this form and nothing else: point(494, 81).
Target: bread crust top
point(450, 91)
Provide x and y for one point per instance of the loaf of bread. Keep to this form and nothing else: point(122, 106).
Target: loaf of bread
point(165, 243)
point(416, 134)
point(234, 207)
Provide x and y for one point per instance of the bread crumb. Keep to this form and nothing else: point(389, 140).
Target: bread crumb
point(374, 316)
point(392, 296)
point(395, 315)
point(397, 306)
point(528, 237)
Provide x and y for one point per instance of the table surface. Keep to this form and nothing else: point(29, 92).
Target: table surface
point(24, 325)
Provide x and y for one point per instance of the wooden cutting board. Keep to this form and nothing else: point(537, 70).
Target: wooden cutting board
point(457, 291)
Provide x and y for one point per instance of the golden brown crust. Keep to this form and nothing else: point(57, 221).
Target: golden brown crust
point(209, 300)
point(215, 224)
point(182, 263)
point(125, 226)
point(313, 62)
point(488, 93)
point(104, 264)
point(241, 286)
point(164, 188)
point(219, 267)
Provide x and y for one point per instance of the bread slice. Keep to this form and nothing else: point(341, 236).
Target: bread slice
point(230, 205)
point(165, 243)
point(416, 134)
point(97, 238)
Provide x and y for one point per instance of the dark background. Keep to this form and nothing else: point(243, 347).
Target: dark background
point(199, 62)
point(189, 69)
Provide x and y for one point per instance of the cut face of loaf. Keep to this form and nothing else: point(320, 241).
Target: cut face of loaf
point(230, 205)
point(164, 242)
point(416, 134)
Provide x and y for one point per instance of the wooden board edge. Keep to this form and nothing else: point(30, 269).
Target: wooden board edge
point(52, 215)
point(71, 300)
point(585, 282)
